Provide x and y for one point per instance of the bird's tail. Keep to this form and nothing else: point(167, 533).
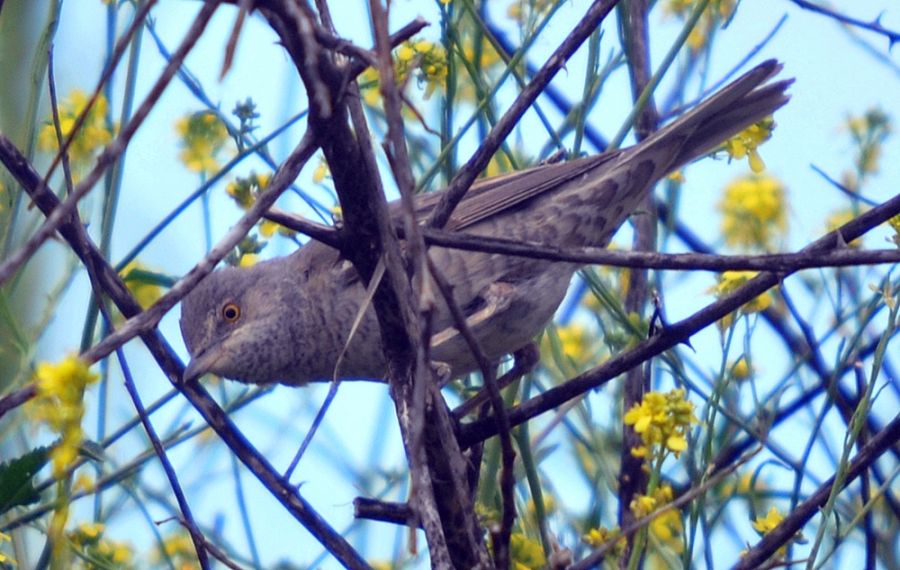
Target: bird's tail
point(741, 103)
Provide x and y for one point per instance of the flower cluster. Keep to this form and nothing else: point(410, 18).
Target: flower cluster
point(94, 133)
point(525, 553)
point(667, 527)
point(753, 212)
point(522, 12)
point(745, 143)
point(597, 537)
point(729, 281)
point(245, 191)
point(717, 13)
point(868, 132)
point(203, 136)
point(766, 524)
point(88, 540)
point(662, 421)
point(425, 60)
point(59, 404)
point(178, 550)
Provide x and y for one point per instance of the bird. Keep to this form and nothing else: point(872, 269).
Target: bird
point(289, 319)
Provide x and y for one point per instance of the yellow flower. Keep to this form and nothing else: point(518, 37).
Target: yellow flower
point(321, 171)
point(245, 190)
point(337, 214)
point(93, 134)
point(4, 558)
point(765, 525)
point(116, 554)
point(58, 403)
point(643, 505)
point(745, 143)
point(87, 533)
point(740, 370)
point(676, 176)
point(525, 553)
point(179, 549)
point(868, 132)
point(104, 553)
point(522, 11)
point(248, 260)
point(838, 219)
point(732, 280)
point(203, 136)
point(753, 212)
point(84, 482)
point(717, 13)
point(662, 421)
point(144, 290)
point(574, 340)
point(895, 225)
point(424, 59)
point(668, 529)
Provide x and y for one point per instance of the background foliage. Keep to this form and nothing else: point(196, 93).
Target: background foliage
point(793, 389)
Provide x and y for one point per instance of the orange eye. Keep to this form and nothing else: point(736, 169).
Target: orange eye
point(231, 312)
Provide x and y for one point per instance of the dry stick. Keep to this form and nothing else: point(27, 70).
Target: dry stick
point(75, 234)
point(596, 557)
point(355, 175)
point(107, 158)
point(398, 158)
point(400, 164)
point(806, 351)
point(880, 443)
point(15, 399)
point(366, 222)
point(187, 518)
point(631, 477)
point(479, 160)
point(676, 333)
point(782, 262)
point(60, 142)
point(488, 373)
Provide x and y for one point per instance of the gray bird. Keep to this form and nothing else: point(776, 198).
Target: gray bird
point(288, 319)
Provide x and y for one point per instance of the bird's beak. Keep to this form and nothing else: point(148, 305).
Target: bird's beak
point(200, 365)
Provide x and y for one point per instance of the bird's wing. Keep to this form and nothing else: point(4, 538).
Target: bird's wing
point(488, 197)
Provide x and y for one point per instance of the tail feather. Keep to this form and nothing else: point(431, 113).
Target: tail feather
point(729, 111)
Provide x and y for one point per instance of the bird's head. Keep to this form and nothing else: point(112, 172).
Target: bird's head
point(230, 324)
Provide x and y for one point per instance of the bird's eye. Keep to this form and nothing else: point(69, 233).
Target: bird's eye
point(231, 312)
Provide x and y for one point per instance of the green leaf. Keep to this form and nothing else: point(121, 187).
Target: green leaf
point(16, 486)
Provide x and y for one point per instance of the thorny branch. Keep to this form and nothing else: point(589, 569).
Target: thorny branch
point(74, 233)
point(326, 89)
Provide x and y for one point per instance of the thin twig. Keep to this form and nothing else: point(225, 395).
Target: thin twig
point(674, 334)
point(479, 160)
point(793, 522)
point(873, 26)
point(112, 152)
